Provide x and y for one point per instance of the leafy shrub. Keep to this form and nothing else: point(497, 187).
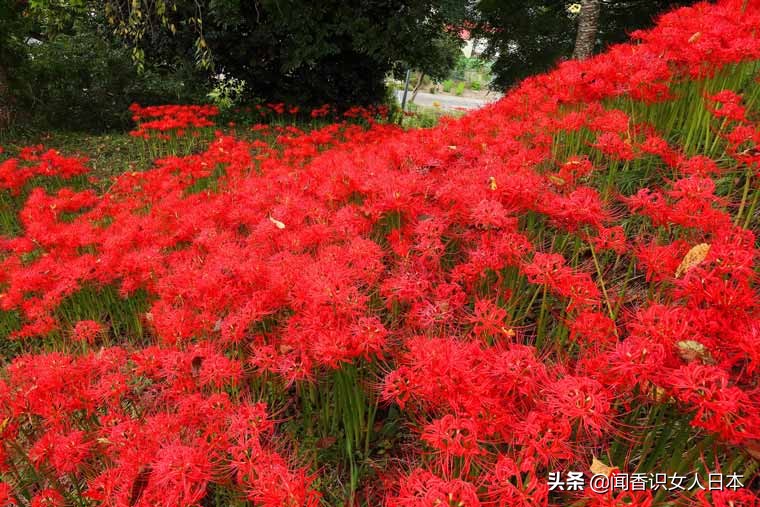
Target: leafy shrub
point(227, 91)
point(85, 82)
point(460, 88)
point(448, 85)
point(424, 117)
point(475, 86)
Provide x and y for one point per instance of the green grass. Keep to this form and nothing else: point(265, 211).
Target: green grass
point(110, 154)
point(426, 117)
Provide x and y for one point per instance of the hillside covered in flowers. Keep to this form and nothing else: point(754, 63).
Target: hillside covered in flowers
point(355, 314)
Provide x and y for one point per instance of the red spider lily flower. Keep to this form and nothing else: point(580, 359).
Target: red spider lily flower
point(452, 437)
point(581, 400)
point(544, 439)
point(508, 486)
point(156, 120)
point(48, 497)
point(179, 476)
point(6, 496)
point(637, 361)
point(64, 452)
point(611, 238)
point(574, 168)
point(423, 489)
point(87, 331)
point(489, 319)
point(619, 498)
point(727, 104)
point(655, 145)
point(397, 387)
point(593, 328)
point(612, 145)
point(51, 164)
point(415, 261)
point(726, 498)
point(547, 269)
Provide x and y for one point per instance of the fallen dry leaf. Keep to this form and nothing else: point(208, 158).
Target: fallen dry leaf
point(693, 257)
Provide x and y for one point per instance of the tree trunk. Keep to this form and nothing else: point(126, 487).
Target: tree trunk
point(417, 86)
point(588, 25)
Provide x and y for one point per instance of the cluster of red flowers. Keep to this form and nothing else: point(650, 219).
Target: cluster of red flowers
point(159, 120)
point(167, 429)
point(35, 161)
point(498, 280)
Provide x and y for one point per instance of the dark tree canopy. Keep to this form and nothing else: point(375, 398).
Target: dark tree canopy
point(12, 27)
point(530, 36)
point(298, 50)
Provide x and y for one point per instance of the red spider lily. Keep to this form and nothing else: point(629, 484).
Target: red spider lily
point(581, 400)
point(423, 489)
point(620, 498)
point(48, 497)
point(728, 104)
point(6, 496)
point(49, 164)
point(726, 498)
point(155, 120)
point(435, 317)
point(87, 331)
point(452, 437)
point(508, 486)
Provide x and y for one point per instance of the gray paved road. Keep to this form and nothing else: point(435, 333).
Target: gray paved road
point(449, 101)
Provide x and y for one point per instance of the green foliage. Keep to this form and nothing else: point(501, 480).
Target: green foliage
point(472, 70)
point(460, 89)
point(471, 63)
point(525, 37)
point(426, 117)
point(13, 26)
point(440, 58)
point(105, 304)
point(528, 37)
point(227, 92)
point(84, 81)
point(297, 51)
point(448, 85)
